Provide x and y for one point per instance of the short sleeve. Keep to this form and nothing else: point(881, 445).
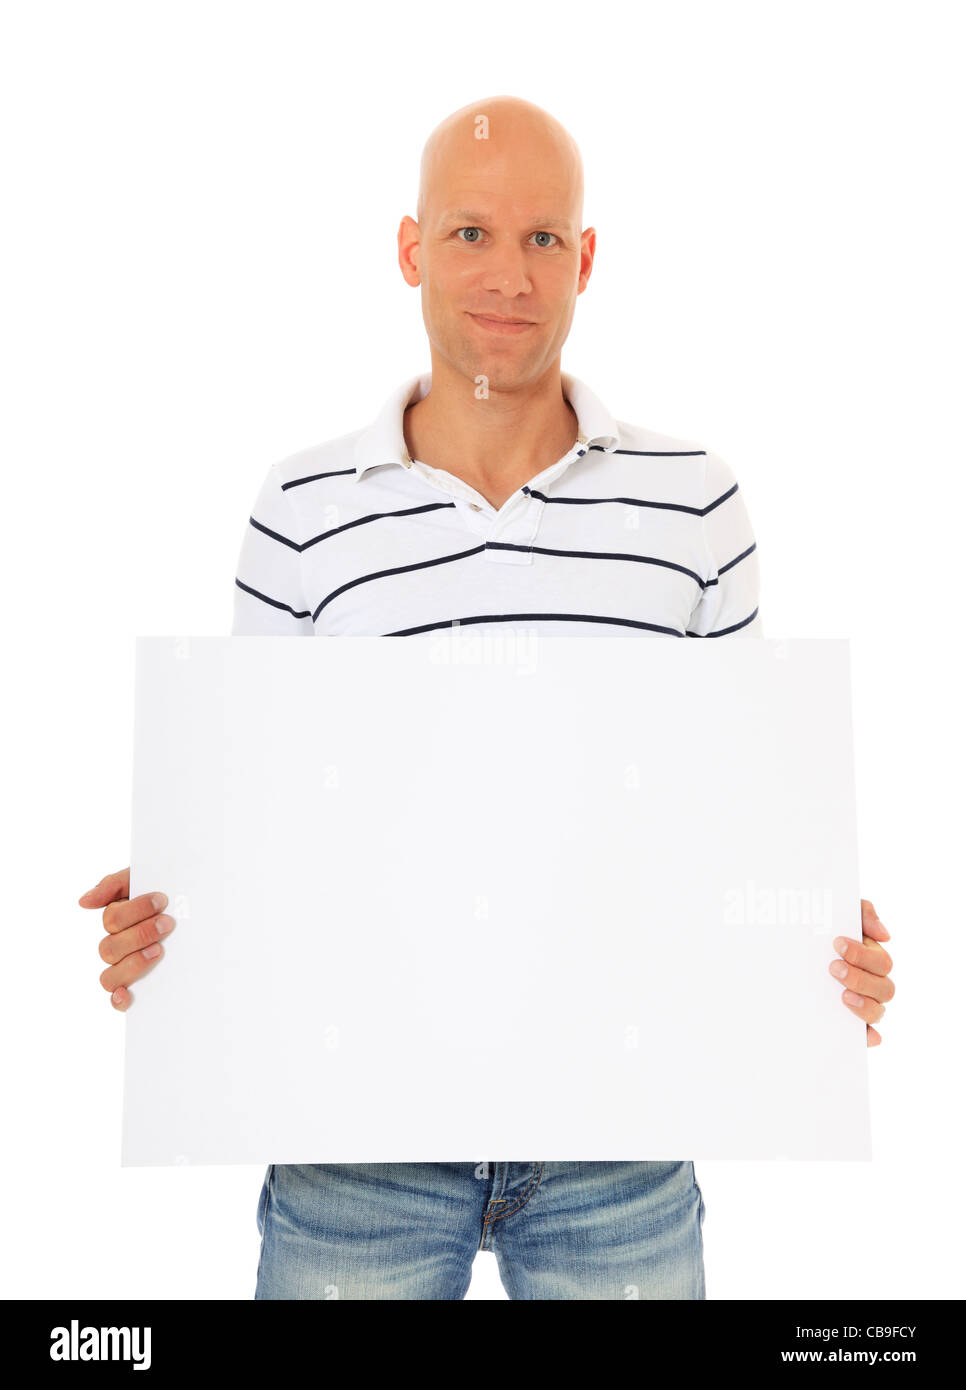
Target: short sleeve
point(269, 601)
point(728, 606)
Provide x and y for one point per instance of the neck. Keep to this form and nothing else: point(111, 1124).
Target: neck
point(495, 444)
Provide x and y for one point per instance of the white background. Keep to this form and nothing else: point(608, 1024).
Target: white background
point(199, 277)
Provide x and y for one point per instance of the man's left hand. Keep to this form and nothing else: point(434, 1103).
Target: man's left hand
point(864, 971)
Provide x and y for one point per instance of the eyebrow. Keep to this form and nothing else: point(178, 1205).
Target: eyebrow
point(477, 219)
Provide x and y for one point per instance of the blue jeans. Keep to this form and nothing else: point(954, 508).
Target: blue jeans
point(411, 1230)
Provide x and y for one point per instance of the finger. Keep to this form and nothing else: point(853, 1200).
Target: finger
point(873, 1037)
point(868, 956)
point(862, 982)
point(121, 999)
point(110, 888)
point(131, 968)
point(121, 915)
point(114, 948)
point(870, 1010)
point(871, 926)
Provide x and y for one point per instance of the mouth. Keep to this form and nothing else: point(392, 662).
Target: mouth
point(494, 323)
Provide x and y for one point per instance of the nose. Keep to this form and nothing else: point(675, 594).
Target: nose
point(506, 272)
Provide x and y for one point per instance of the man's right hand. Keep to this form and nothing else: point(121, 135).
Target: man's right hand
point(134, 928)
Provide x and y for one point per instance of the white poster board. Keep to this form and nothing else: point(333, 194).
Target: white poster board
point(456, 897)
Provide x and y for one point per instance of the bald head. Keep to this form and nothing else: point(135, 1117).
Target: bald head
point(497, 248)
point(500, 138)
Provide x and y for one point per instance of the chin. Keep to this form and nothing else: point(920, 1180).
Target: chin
point(504, 371)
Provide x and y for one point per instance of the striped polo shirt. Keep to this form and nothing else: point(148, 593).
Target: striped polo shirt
point(631, 533)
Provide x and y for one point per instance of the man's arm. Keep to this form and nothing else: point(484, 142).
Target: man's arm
point(728, 606)
point(269, 599)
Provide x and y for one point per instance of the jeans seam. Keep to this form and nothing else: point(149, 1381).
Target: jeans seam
point(267, 1191)
point(534, 1181)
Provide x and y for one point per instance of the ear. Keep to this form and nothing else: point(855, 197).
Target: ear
point(588, 249)
point(408, 242)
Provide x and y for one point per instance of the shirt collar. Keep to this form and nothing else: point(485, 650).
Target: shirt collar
point(384, 441)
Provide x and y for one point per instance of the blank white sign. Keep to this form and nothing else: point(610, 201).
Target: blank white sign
point(466, 895)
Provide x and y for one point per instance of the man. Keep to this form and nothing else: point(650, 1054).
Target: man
point(492, 491)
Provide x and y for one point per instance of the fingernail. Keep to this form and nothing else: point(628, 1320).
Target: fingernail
point(117, 996)
point(164, 925)
point(855, 1000)
point(151, 951)
point(159, 900)
point(841, 945)
point(839, 969)
point(884, 928)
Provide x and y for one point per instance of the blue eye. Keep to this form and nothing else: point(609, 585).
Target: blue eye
point(474, 236)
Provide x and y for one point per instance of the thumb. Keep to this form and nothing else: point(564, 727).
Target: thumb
point(871, 926)
point(111, 888)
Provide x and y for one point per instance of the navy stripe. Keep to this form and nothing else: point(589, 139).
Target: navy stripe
point(283, 540)
point(534, 618)
point(723, 631)
point(744, 554)
point(399, 569)
point(348, 525)
point(718, 500)
point(617, 555)
point(602, 555)
point(637, 502)
point(652, 453)
point(314, 477)
point(273, 601)
point(377, 516)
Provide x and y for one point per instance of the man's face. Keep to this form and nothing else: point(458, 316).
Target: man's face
point(500, 259)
